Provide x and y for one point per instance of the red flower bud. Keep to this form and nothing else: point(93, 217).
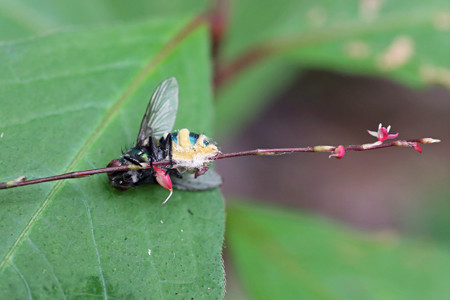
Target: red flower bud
point(338, 152)
point(417, 147)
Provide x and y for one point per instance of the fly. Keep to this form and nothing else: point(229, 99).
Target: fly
point(188, 153)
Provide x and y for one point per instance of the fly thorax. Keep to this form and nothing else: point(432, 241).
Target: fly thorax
point(136, 155)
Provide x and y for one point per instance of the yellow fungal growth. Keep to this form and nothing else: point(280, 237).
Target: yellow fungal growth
point(183, 140)
point(192, 156)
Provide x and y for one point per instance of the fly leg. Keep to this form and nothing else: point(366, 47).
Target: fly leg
point(168, 145)
point(153, 152)
point(201, 171)
point(175, 173)
point(168, 150)
point(132, 160)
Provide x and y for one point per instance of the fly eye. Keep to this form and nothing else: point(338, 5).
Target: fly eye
point(114, 163)
point(121, 187)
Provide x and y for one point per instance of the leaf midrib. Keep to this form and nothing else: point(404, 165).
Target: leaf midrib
point(178, 38)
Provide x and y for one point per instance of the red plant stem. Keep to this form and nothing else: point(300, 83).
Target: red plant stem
point(21, 181)
point(219, 23)
point(363, 147)
point(226, 71)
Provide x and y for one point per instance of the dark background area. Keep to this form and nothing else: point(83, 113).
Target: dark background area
point(388, 189)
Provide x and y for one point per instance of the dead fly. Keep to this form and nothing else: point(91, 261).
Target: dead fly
point(155, 142)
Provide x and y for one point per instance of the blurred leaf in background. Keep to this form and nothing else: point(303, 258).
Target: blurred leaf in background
point(431, 220)
point(266, 47)
point(404, 40)
point(287, 255)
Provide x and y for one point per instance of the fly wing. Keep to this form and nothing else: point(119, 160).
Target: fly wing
point(211, 179)
point(161, 112)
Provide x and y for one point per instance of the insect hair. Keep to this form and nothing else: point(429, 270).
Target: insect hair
point(125, 148)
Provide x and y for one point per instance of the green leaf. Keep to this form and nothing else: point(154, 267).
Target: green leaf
point(71, 101)
point(403, 40)
point(431, 218)
point(24, 18)
point(285, 255)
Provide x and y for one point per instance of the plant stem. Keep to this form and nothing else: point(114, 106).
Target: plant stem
point(21, 181)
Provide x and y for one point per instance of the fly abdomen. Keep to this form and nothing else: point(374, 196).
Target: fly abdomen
point(191, 151)
point(193, 137)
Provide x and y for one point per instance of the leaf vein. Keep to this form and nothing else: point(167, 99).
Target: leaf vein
point(52, 114)
point(97, 252)
point(58, 283)
point(98, 69)
point(30, 296)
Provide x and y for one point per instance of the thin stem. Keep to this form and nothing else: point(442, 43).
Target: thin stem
point(21, 181)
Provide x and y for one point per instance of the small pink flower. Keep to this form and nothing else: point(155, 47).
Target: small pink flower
point(338, 152)
point(164, 180)
point(383, 133)
point(416, 147)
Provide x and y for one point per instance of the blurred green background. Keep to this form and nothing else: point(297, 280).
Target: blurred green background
point(374, 225)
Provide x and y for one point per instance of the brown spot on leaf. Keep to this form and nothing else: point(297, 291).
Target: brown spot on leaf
point(316, 16)
point(441, 21)
point(397, 54)
point(435, 75)
point(357, 49)
point(368, 9)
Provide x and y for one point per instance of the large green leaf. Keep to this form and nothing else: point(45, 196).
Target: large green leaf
point(404, 40)
point(23, 18)
point(71, 101)
point(285, 255)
